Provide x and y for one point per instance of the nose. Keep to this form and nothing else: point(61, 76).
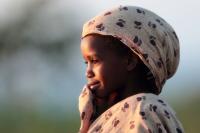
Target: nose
point(89, 72)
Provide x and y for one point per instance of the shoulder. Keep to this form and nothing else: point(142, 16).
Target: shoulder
point(149, 104)
point(144, 100)
point(153, 113)
point(138, 113)
point(147, 99)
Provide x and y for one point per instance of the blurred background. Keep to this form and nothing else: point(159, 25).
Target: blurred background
point(42, 70)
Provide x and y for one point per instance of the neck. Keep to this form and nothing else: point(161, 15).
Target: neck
point(133, 87)
point(105, 103)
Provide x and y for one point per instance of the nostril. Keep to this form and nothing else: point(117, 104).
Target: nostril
point(89, 74)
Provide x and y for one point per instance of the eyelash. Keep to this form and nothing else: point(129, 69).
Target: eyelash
point(92, 61)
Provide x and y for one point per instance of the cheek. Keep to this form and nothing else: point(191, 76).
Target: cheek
point(112, 76)
point(101, 73)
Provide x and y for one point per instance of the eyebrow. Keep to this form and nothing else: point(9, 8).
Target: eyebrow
point(93, 55)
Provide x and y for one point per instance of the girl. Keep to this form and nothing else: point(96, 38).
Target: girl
point(130, 52)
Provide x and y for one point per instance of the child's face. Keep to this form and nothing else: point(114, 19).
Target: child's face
point(106, 70)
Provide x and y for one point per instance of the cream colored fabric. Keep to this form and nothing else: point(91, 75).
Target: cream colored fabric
point(141, 113)
point(138, 114)
point(86, 109)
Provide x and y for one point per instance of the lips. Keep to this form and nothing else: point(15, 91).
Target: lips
point(94, 84)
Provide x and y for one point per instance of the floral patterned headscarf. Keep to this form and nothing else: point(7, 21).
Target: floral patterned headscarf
point(145, 33)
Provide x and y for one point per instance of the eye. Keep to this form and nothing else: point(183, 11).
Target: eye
point(94, 61)
point(91, 61)
point(86, 62)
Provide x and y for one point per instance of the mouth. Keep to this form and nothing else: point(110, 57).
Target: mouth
point(94, 85)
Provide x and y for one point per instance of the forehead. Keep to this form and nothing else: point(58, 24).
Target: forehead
point(94, 44)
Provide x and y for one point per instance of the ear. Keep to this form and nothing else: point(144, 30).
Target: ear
point(131, 62)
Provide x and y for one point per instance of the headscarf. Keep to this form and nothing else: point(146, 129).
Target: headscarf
point(152, 39)
point(145, 33)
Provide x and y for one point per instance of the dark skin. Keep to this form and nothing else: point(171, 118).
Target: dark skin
point(116, 77)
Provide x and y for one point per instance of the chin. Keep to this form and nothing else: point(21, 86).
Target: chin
point(100, 94)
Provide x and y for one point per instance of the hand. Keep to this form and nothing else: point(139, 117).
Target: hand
point(86, 108)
